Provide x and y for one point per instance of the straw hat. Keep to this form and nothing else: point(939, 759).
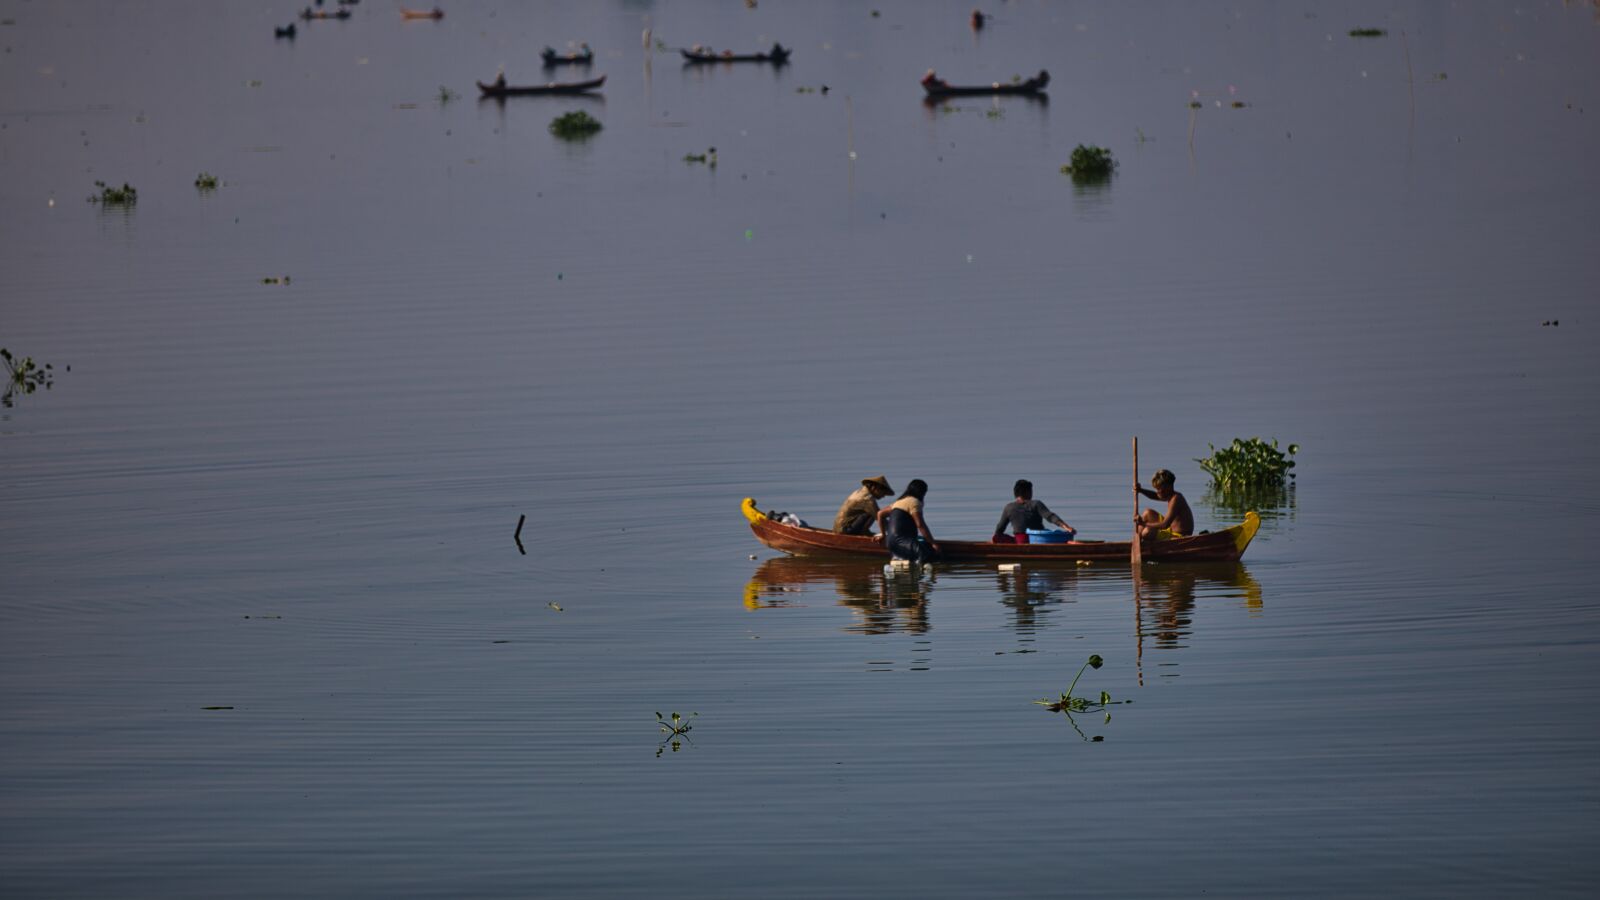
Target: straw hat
point(881, 483)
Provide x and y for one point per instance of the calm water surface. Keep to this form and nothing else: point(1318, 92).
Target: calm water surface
point(263, 627)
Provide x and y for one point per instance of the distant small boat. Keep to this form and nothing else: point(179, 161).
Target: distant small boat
point(938, 87)
point(308, 14)
point(501, 89)
point(778, 55)
point(435, 13)
point(583, 56)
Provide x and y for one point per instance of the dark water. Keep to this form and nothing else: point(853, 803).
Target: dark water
point(297, 501)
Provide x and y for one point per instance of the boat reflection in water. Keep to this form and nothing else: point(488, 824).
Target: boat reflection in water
point(884, 602)
point(896, 600)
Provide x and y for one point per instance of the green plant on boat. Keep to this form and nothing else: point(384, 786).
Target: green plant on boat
point(708, 158)
point(206, 181)
point(574, 126)
point(1089, 163)
point(1249, 465)
point(1070, 703)
point(24, 376)
point(676, 728)
point(1367, 32)
point(114, 196)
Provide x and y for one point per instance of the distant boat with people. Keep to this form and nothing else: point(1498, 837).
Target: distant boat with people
point(778, 55)
point(938, 87)
point(583, 56)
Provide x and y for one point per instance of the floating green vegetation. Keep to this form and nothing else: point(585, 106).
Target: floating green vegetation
point(676, 730)
point(574, 126)
point(1239, 104)
point(1249, 465)
point(708, 158)
point(1070, 703)
point(206, 181)
point(1367, 32)
point(446, 95)
point(876, 14)
point(1195, 104)
point(24, 376)
point(113, 196)
point(995, 113)
point(1089, 163)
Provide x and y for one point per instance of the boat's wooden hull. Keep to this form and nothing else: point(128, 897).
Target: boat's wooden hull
point(551, 60)
point(573, 87)
point(983, 89)
point(1219, 546)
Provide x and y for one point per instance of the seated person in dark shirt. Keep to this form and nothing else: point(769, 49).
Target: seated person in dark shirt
point(1024, 513)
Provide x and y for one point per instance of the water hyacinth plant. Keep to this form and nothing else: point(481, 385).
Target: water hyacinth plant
point(1249, 465)
point(1089, 163)
point(676, 730)
point(576, 125)
point(206, 181)
point(24, 376)
point(1070, 703)
point(113, 196)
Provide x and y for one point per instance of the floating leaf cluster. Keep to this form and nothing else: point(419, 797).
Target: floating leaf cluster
point(1367, 32)
point(24, 376)
point(1249, 465)
point(206, 181)
point(708, 158)
point(1089, 163)
point(676, 730)
point(113, 196)
point(1069, 703)
point(575, 125)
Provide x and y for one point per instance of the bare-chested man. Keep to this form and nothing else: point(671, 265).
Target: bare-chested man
point(1179, 519)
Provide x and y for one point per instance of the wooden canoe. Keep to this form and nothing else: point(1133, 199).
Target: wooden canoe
point(552, 58)
point(435, 13)
point(1217, 546)
point(554, 87)
point(938, 88)
point(310, 14)
point(778, 55)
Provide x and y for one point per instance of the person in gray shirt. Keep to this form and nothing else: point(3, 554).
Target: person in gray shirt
point(1024, 513)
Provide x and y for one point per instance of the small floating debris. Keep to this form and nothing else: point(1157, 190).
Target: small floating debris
point(275, 279)
point(216, 707)
point(1552, 323)
point(708, 158)
point(554, 605)
point(206, 181)
point(287, 31)
point(414, 14)
point(517, 535)
point(1367, 32)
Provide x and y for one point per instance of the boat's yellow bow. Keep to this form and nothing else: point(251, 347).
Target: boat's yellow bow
point(748, 507)
point(1245, 532)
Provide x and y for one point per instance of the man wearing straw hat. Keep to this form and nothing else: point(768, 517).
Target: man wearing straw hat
point(860, 509)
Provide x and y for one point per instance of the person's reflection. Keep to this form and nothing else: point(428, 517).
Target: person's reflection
point(883, 603)
point(1165, 595)
point(1030, 591)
